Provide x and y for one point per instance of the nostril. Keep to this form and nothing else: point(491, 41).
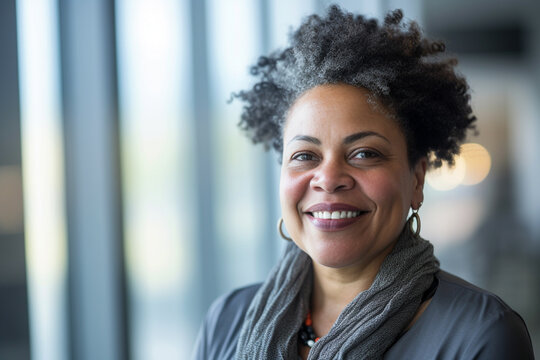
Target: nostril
point(332, 177)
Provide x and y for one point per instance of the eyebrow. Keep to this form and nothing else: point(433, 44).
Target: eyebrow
point(348, 140)
point(360, 135)
point(307, 138)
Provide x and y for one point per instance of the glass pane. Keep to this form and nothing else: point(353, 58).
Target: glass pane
point(234, 44)
point(156, 146)
point(43, 171)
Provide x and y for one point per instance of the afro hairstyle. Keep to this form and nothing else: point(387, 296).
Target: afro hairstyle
point(411, 76)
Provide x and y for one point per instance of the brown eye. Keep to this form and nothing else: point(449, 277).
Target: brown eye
point(366, 154)
point(303, 157)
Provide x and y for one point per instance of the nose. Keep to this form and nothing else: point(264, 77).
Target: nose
point(332, 176)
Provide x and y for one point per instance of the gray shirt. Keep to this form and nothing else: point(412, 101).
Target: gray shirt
point(461, 322)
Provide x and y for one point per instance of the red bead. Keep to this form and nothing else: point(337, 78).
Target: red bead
point(308, 319)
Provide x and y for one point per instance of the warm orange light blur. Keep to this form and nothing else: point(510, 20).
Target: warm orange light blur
point(447, 177)
point(478, 163)
point(471, 167)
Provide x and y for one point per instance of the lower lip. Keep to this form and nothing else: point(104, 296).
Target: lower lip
point(333, 224)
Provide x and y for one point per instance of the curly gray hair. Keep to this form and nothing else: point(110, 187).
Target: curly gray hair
point(405, 72)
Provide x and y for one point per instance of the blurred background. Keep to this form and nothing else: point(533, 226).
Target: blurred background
point(129, 200)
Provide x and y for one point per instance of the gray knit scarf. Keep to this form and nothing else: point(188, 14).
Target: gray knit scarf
point(366, 328)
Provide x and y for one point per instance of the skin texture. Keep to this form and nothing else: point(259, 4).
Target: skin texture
point(359, 159)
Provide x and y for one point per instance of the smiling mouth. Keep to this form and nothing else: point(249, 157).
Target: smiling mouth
point(336, 215)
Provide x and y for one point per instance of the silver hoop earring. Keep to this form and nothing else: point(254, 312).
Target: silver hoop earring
point(281, 233)
point(414, 218)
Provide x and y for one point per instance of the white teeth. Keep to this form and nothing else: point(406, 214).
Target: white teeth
point(335, 215)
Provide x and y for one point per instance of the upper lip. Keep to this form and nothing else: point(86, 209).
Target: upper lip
point(332, 207)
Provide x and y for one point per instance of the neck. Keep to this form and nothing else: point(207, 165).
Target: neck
point(338, 287)
point(334, 288)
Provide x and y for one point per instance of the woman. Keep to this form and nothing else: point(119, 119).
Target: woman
point(358, 112)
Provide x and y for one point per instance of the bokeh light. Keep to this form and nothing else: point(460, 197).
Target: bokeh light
point(471, 167)
point(478, 163)
point(447, 177)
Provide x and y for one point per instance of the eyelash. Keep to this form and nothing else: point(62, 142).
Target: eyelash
point(303, 154)
point(368, 154)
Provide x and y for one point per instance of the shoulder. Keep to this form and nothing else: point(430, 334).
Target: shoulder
point(455, 295)
point(219, 333)
point(466, 322)
point(230, 308)
point(492, 328)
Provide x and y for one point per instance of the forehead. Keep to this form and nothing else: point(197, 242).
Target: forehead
point(338, 110)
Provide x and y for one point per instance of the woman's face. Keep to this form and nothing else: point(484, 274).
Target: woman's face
point(346, 184)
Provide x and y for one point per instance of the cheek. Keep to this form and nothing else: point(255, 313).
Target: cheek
point(292, 188)
point(388, 190)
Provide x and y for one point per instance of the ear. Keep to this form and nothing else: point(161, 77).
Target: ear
point(419, 176)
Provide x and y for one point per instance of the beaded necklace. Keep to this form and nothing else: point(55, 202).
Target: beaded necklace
point(307, 334)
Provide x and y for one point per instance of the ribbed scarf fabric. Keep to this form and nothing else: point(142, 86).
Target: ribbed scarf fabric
point(365, 329)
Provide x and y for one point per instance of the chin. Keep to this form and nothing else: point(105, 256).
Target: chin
point(335, 255)
point(334, 262)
